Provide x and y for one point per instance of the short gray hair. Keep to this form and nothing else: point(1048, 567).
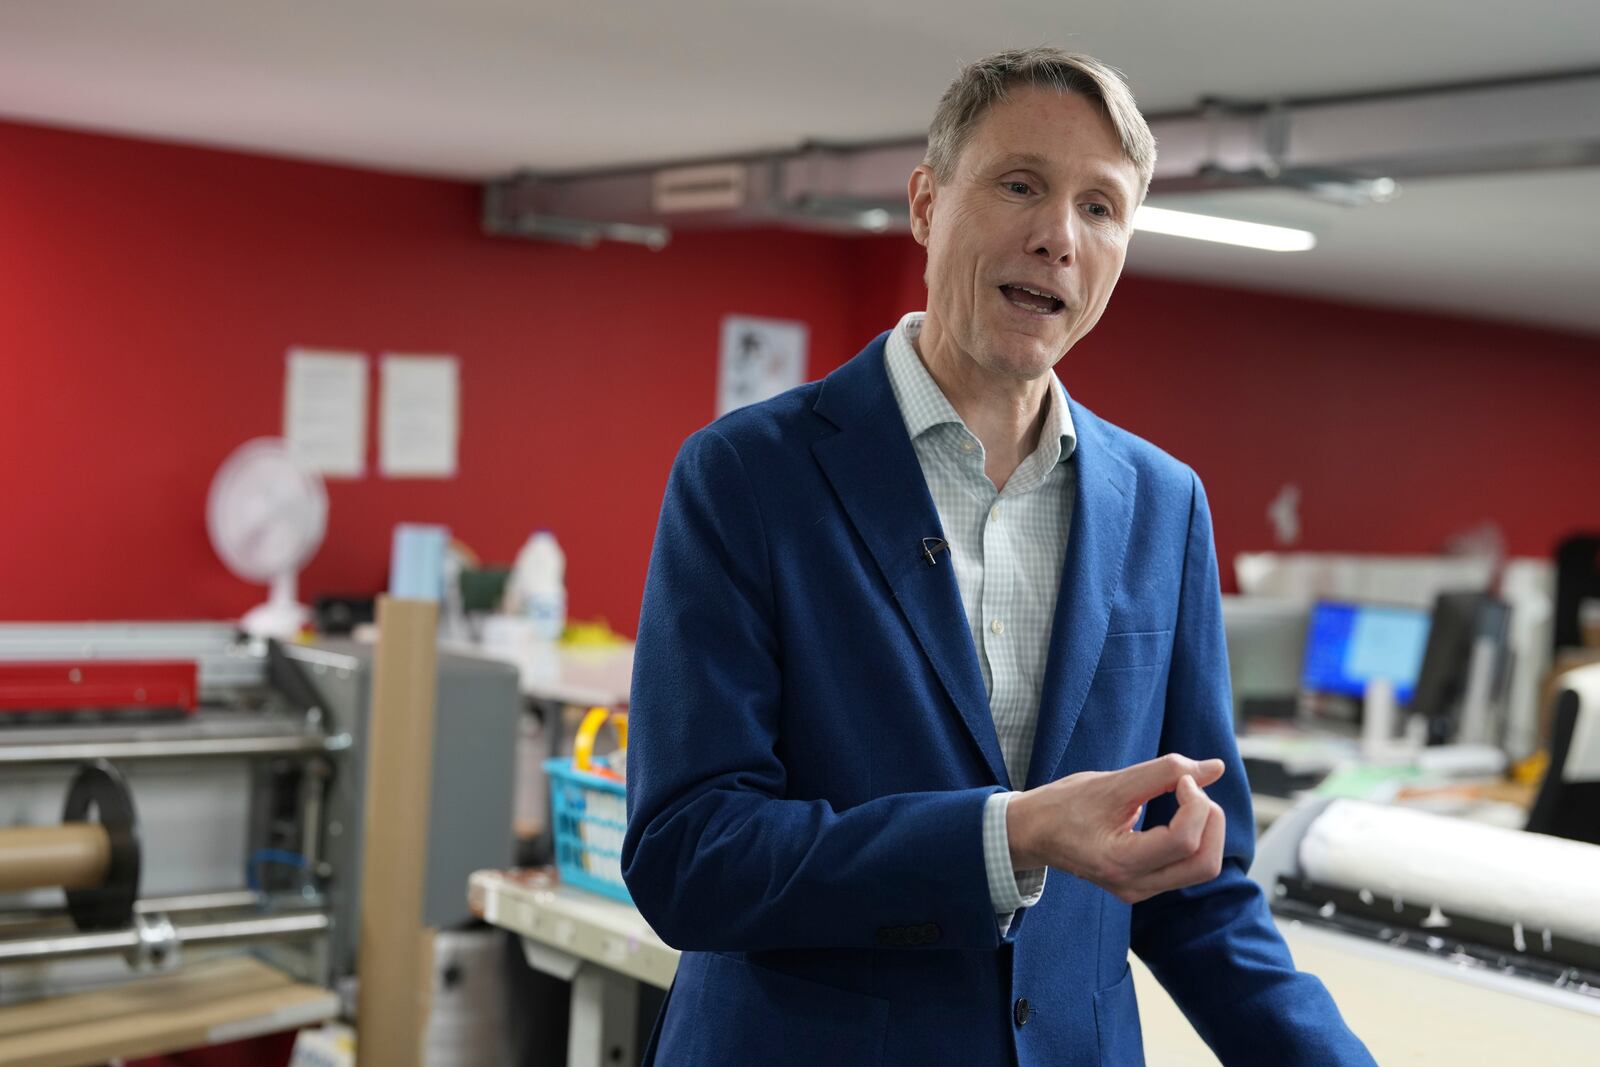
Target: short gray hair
point(982, 84)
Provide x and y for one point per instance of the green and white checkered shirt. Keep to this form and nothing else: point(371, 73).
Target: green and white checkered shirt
point(1007, 549)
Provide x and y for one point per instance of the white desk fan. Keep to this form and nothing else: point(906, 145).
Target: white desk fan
point(266, 515)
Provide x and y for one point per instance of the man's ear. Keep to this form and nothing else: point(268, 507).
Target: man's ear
point(920, 192)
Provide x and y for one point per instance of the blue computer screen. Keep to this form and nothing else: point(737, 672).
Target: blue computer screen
point(1349, 644)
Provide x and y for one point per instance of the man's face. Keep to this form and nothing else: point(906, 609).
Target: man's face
point(1042, 197)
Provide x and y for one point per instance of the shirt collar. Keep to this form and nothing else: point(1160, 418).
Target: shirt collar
point(923, 404)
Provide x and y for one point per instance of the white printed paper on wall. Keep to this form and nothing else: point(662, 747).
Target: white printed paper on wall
point(760, 359)
point(419, 423)
point(325, 411)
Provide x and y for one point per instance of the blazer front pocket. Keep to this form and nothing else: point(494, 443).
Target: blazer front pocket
point(1129, 651)
point(746, 1013)
point(1116, 1020)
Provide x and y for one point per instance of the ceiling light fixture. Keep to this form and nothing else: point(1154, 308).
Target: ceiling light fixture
point(1224, 231)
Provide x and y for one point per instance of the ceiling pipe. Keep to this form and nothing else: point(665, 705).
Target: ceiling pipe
point(1353, 149)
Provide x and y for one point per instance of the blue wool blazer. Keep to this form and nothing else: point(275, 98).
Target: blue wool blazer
point(811, 748)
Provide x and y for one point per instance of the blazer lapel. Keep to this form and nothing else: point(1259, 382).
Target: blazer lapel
point(874, 470)
point(1102, 516)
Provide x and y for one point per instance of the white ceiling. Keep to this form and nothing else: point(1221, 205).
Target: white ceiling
point(478, 88)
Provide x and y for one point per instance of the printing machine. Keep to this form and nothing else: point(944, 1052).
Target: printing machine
point(174, 791)
point(1513, 910)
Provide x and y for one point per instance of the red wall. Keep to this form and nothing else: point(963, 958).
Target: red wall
point(1402, 430)
point(148, 294)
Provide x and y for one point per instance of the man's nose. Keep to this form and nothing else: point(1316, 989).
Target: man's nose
point(1055, 239)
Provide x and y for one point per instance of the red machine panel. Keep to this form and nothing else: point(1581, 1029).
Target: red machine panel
point(99, 685)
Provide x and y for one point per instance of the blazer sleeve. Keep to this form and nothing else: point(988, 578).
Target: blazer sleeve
point(716, 855)
point(1214, 947)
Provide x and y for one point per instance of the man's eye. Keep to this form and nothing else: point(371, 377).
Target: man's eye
point(1098, 210)
point(1020, 188)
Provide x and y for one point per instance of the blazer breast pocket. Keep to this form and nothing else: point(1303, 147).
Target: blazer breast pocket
point(1131, 651)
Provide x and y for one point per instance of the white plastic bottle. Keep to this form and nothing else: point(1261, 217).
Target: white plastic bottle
point(540, 576)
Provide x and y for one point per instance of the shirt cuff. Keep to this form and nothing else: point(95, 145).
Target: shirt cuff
point(1009, 888)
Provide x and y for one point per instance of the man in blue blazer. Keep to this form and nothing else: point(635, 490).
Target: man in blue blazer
point(930, 682)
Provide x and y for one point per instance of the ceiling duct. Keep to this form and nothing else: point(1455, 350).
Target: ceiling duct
point(1352, 150)
point(1316, 145)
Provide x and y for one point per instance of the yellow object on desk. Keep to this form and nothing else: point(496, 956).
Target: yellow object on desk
point(589, 730)
point(1529, 771)
point(597, 634)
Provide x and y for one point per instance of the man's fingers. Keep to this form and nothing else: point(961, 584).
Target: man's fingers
point(1188, 823)
point(1188, 790)
point(1161, 846)
point(1200, 866)
point(1161, 775)
point(1207, 772)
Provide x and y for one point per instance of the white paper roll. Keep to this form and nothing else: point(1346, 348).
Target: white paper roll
point(1464, 867)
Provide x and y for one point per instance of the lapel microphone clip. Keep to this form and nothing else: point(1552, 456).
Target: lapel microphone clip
point(931, 546)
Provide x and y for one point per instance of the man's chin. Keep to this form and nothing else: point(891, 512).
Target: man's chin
point(1024, 356)
point(1024, 365)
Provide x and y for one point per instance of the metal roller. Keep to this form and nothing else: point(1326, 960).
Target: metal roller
point(157, 940)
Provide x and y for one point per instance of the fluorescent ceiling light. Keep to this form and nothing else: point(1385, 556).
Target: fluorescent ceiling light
point(875, 219)
point(1225, 231)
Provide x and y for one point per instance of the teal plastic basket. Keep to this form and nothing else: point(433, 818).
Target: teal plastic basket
point(589, 814)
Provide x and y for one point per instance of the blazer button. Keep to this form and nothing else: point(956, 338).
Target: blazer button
point(1022, 1011)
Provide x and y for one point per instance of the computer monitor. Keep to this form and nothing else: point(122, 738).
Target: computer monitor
point(1463, 668)
point(1349, 645)
point(1266, 639)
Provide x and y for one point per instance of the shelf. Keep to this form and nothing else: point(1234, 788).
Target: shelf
point(205, 1004)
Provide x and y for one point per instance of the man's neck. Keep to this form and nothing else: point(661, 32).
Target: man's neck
point(1006, 414)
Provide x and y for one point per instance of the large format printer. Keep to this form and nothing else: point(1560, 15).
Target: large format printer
point(1511, 903)
point(1447, 901)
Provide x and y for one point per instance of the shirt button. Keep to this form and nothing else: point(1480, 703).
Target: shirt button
point(997, 627)
point(967, 446)
point(1022, 1011)
point(994, 513)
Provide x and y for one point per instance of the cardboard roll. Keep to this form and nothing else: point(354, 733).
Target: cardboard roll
point(74, 856)
point(95, 862)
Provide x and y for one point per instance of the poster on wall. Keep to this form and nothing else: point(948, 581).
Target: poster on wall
point(760, 359)
point(325, 411)
point(420, 420)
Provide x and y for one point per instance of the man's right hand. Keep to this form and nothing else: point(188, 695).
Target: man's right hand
point(1083, 824)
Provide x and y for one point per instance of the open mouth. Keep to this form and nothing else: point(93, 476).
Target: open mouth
point(1038, 301)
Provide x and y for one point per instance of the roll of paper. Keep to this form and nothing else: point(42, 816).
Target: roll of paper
point(73, 856)
point(1466, 868)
